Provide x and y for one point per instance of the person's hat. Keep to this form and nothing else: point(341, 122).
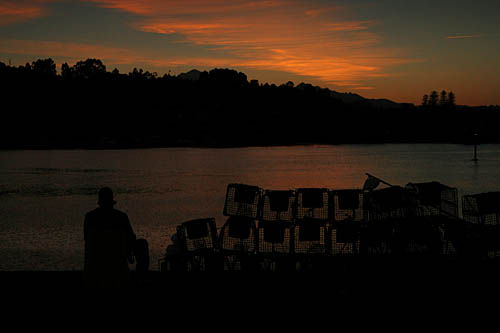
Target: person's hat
point(106, 197)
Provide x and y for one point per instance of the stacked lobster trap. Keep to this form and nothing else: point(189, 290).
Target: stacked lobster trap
point(420, 218)
point(311, 221)
point(384, 210)
point(194, 247)
point(238, 236)
point(276, 227)
point(287, 229)
point(439, 203)
point(482, 209)
point(348, 215)
point(390, 203)
point(434, 199)
point(482, 214)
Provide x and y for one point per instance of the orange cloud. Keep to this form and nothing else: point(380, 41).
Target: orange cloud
point(303, 38)
point(21, 10)
point(191, 7)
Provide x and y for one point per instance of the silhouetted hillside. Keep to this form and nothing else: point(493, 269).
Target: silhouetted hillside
point(86, 106)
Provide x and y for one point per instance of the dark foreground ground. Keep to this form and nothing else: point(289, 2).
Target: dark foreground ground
point(375, 295)
point(414, 279)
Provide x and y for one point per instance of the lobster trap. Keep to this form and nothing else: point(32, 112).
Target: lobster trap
point(196, 247)
point(482, 208)
point(238, 242)
point(310, 237)
point(347, 205)
point(313, 204)
point(393, 202)
point(278, 206)
point(275, 245)
point(197, 236)
point(483, 212)
point(242, 200)
point(376, 238)
point(275, 238)
point(452, 234)
point(344, 238)
point(418, 236)
point(238, 235)
point(434, 198)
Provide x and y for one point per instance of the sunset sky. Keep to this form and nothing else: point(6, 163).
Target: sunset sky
point(378, 48)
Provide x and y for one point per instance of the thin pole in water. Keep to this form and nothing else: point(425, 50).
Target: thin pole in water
point(475, 159)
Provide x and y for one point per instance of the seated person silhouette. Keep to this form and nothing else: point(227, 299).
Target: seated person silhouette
point(109, 243)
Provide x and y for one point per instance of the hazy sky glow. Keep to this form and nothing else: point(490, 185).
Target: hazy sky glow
point(380, 48)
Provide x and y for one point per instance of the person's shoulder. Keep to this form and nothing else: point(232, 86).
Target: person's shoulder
point(120, 214)
point(92, 213)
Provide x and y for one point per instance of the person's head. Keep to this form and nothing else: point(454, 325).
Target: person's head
point(106, 198)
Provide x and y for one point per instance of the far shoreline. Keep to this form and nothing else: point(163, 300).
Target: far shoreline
point(228, 146)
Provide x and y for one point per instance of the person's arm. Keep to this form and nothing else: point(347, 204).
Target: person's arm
point(85, 227)
point(130, 240)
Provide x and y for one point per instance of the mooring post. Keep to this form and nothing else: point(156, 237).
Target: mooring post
point(475, 159)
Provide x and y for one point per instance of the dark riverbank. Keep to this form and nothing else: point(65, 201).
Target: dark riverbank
point(87, 107)
point(220, 146)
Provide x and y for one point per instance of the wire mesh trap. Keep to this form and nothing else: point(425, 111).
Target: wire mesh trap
point(483, 208)
point(310, 237)
point(238, 235)
point(278, 206)
point(313, 204)
point(197, 236)
point(376, 238)
point(344, 238)
point(194, 247)
point(242, 200)
point(275, 238)
point(238, 243)
point(390, 203)
point(482, 211)
point(434, 198)
point(417, 236)
point(347, 205)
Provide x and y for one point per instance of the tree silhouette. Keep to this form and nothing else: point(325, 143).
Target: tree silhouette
point(226, 77)
point(433, 99)
point(443, 98)
point(451, 99)
point(425, 100)
point(89, 69)
point(66, 71)
point(140, 74)
point(44, 67)
point(254, 83)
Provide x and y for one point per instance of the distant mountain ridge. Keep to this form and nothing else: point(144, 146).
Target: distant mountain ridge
point(193, 75)
point(348, 98)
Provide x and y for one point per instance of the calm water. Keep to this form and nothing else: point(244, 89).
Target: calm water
point(45, 194)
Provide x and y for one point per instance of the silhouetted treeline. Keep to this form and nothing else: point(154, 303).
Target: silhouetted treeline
point(445, 100)
point(86, 106)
